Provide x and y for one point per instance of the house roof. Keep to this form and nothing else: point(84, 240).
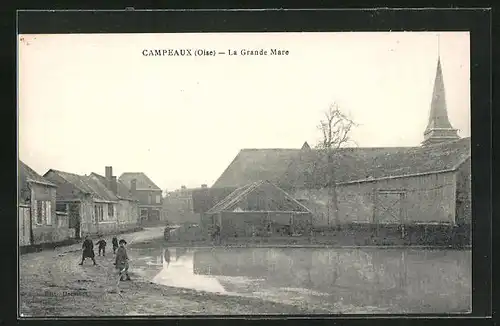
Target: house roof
point(27, 174)
point(143, 182)
point(290, 168)
point(229, 202)
point(252, 165)
point(123, 190)
point(85, 184)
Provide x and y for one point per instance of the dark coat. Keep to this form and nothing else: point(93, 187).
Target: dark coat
point(88, 248)
point(121, 258)
point(101, 243)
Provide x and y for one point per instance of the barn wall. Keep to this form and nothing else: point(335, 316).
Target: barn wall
point(317, 202)
point(464, 196)
point(429, 198)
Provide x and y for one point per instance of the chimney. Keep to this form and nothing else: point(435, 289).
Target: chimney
point(114, 185)
point(183, 187)
point(204, 186)
point(109, 172)
point(133, 186)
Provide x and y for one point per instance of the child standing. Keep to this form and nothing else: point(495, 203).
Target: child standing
point(121, 261)
point(102, 246)
point(88, 250)
point(115, 244)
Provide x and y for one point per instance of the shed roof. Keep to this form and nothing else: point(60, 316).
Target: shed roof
point(143, 181)
point(236, 196)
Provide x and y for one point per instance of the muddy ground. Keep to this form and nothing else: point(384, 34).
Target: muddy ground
point(53, 284)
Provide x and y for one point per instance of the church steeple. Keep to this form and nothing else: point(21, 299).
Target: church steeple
point(439, 128)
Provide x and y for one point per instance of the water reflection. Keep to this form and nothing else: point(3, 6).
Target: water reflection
point(180, 273)
point(399, 280)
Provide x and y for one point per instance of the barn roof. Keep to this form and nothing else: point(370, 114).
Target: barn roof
point(123, 190)
point(290, 168)
point(236, 196)
point(86, 184)
point(310, 169)
point(252, 165)
point(143, 182)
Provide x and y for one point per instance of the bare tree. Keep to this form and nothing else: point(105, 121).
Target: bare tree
point(335, 129)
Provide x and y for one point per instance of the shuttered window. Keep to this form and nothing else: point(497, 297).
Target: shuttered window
point(43, 212)
point(48, 213)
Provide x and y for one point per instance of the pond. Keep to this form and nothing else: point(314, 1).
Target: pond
point(347, 281)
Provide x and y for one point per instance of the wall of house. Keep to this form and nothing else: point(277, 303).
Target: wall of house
point(88, 226)
point(464, 196)
point(428, 199)
point(144, 195)
point(47, 233)
point(128, 215)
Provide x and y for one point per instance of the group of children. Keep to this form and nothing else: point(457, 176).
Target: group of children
point(121, 258)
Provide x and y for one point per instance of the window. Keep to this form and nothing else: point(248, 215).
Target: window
point(111, 211)
point(43, 212)
point(158, 199)
point(98, 213)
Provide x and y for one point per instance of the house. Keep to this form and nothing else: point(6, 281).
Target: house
point(38, 220)
point(148, 194)
point(178, 205)
point(90, 205)
point(259, 209)
point(127, 209)
point(427, 184)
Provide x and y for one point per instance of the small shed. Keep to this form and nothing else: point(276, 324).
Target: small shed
point(260, 209)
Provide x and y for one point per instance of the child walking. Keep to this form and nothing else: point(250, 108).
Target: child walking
point(121, 261)
point(115, 244)
point(102, 246)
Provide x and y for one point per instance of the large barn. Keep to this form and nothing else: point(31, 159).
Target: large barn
point(426, 184)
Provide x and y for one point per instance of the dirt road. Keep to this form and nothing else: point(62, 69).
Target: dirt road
point(53, 284)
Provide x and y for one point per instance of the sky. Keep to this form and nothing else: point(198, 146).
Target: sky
point(87, 101)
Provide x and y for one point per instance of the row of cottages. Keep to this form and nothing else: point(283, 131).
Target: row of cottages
point(427, 184)
point(39, 222)
point(95, 204)
point(148, 194)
